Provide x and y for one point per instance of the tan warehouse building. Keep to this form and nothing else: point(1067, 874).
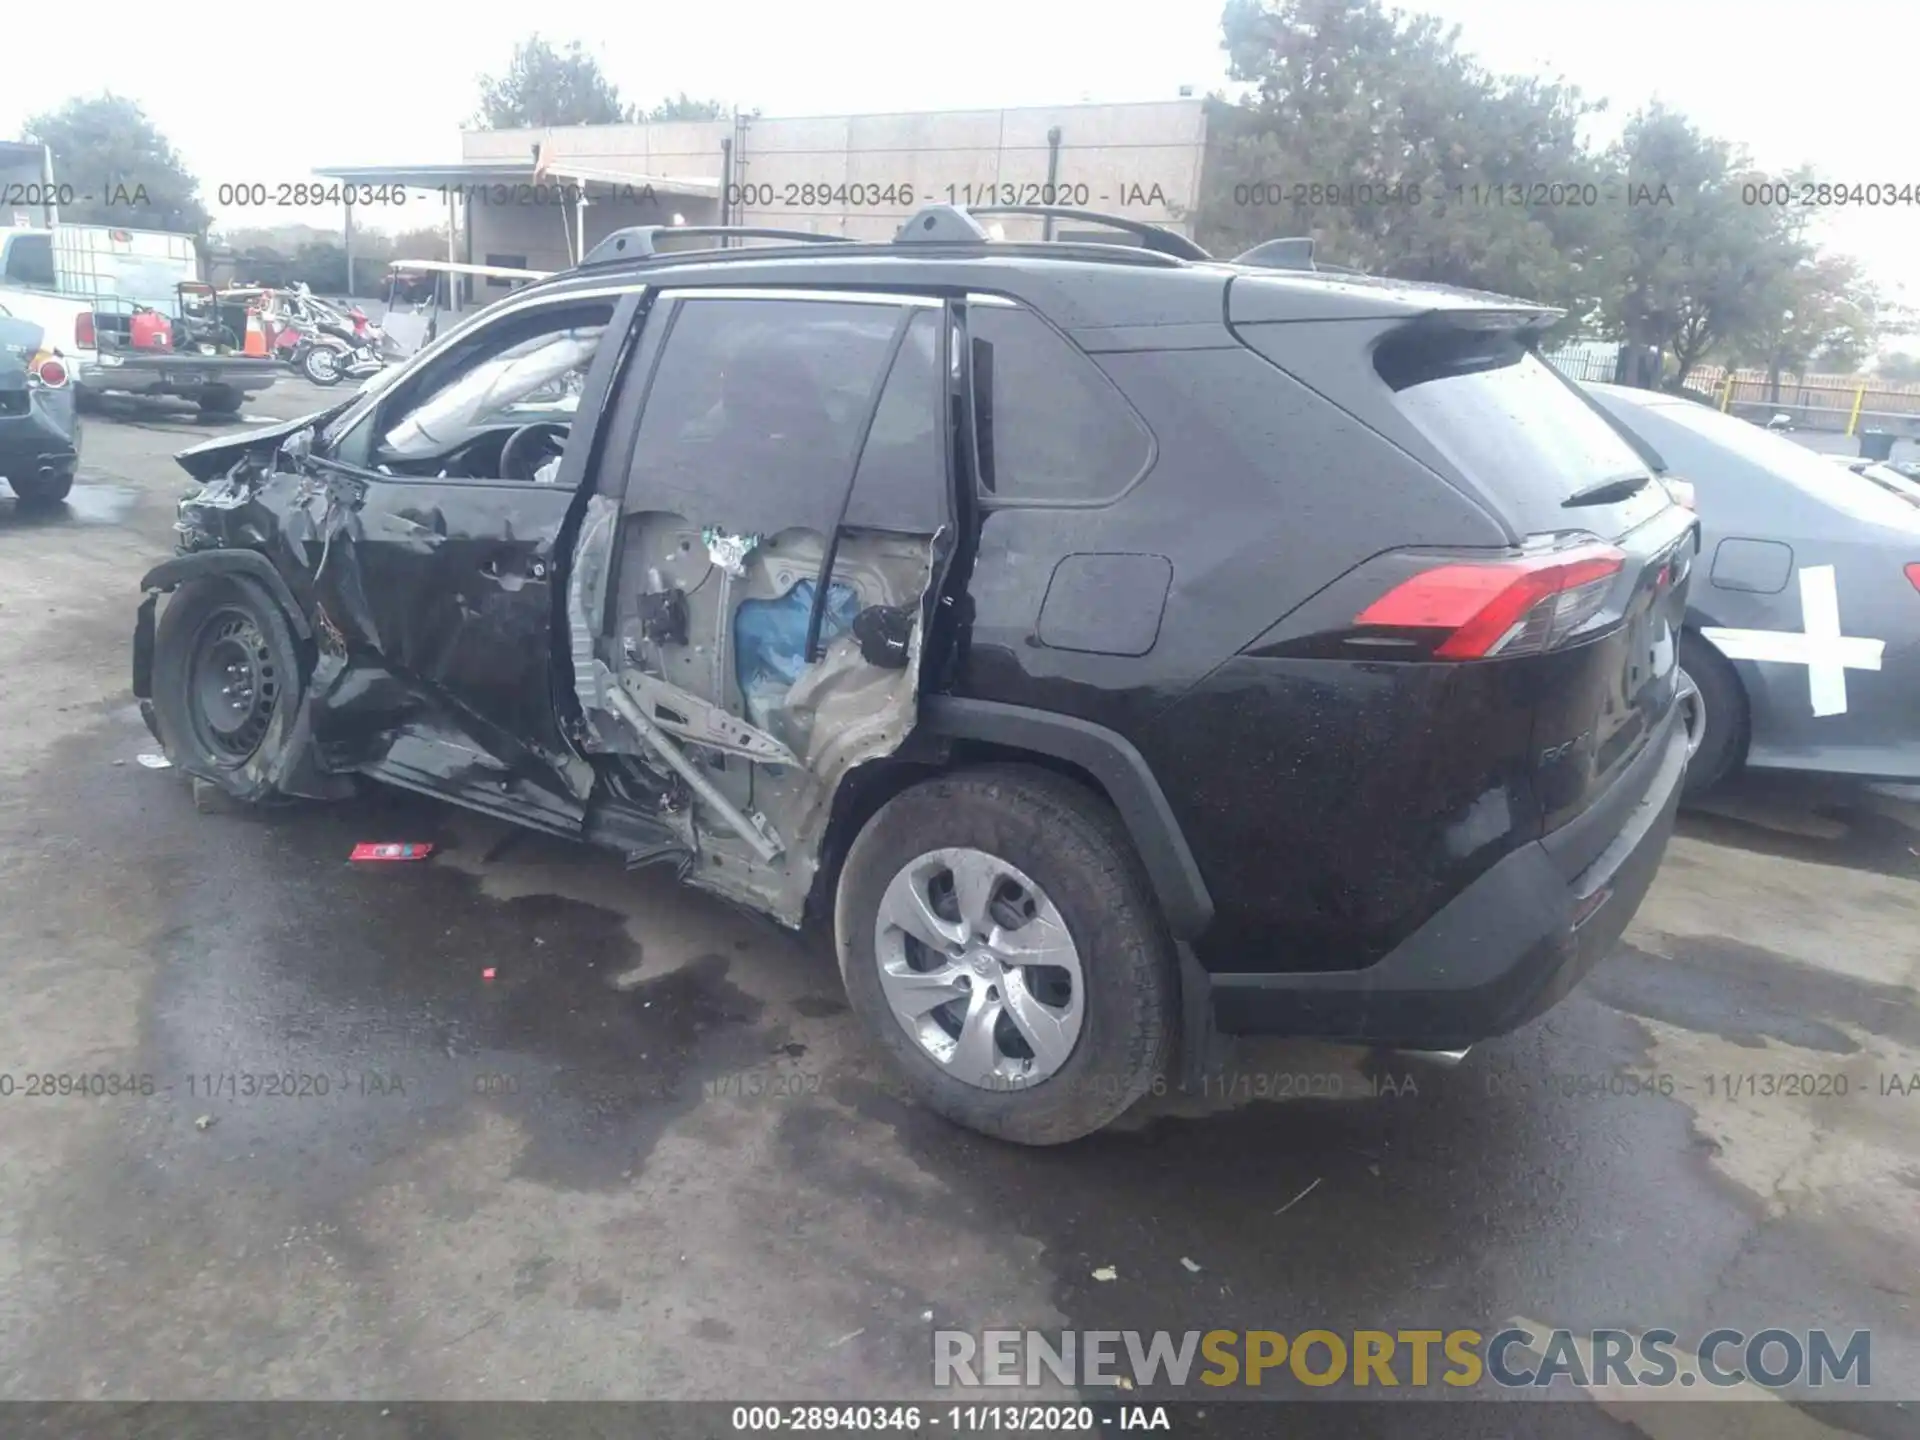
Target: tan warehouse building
point(539, 199)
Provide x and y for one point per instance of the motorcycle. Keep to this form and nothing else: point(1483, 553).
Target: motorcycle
point(326, 359)
point(328, 347)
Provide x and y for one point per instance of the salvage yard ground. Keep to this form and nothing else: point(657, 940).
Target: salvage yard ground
point(652, 1155)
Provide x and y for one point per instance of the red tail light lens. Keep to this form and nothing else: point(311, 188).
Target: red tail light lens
point(49, 370)
point(1501, 607)
point(1913, 575)
point(83, 328)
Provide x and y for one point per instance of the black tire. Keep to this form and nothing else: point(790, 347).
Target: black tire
point(221, 400)
point(1723, 701)
point(321, 366)
point(38, 493)
point(1074, 848)
point(208, 623)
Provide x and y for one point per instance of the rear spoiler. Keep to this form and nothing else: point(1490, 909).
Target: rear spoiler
point(1277, 290)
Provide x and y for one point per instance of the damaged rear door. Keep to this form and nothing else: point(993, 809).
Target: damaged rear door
point(756, 568)
point(435, 560)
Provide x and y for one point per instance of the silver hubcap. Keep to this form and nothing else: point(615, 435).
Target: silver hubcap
point(1693, 712)
point(979, 969)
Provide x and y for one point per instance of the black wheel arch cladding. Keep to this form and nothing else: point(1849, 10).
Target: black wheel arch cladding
point(1121, 771)
point(170, 574)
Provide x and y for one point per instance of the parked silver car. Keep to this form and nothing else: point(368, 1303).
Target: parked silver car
point(1803, 624)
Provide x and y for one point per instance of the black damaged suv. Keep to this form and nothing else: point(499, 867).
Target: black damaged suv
point(1120, 646)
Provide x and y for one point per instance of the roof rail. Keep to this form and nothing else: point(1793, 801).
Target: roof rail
point(636, 242)
point(955, 224)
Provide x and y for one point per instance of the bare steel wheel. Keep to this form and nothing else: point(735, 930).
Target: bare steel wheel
point(234, 683)
point(979, 969)
point(228, 680)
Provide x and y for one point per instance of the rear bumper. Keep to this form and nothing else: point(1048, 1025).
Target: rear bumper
point(42, 441)
point(1504, 950)
point(187, 375)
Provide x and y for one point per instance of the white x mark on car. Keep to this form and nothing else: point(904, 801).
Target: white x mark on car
point(1803, 617)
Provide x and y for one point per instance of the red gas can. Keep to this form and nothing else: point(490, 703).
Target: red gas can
point(151, 331)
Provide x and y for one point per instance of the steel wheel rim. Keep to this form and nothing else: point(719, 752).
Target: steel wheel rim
point(979, 969)
point(232, 685)
point(322, 361)
point(1693, 713)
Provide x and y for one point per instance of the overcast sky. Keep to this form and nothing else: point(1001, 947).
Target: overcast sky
point(358, 83)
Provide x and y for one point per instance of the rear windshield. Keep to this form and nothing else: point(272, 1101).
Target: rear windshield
point(1688, 425)
point(1893, 482)
point(1514, 427)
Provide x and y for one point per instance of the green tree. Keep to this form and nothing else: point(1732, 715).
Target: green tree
point(122, 166)
point(1696, 267)
point(1821, 316)
point(1897, 367)
point(1370, 104)
point(685, 107)
point(544, 86)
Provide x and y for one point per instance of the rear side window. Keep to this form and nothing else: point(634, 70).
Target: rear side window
point(1051, 428)
point(30, 260)
point(1515, 428)
point(757, 408)
point(902, 480)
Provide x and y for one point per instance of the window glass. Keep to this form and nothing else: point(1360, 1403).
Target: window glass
point(1516, 428)
point(1701, 441)
point(1052, 427)
point(30, 260)
point(755, 411)
point(505, 262)
point(1892, 481)
point(522, 369)
point(901, 482)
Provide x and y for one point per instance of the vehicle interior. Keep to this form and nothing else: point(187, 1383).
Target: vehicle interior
point(500, 407)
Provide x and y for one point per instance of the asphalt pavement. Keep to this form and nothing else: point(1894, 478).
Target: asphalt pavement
point(652, 1156)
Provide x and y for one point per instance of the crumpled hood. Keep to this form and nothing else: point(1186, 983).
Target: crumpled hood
point(215, 457)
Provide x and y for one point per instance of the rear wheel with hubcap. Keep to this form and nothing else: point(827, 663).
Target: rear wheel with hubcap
point(1715, 710)
point(1013, 963)
point(979, 968)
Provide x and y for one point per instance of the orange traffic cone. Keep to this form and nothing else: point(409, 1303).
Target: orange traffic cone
point(256, 343)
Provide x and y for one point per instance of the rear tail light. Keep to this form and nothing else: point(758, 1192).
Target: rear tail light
point(48, 369)
point(1501, 607)
point(83, 329)
point(1913, 575)
point(1681, 491)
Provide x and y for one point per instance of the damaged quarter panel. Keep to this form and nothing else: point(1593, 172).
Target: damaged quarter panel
point(754, 624)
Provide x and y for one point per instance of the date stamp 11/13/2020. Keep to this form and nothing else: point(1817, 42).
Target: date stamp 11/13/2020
point(1331, 193)
point(201, 1085)
point(785, 1082)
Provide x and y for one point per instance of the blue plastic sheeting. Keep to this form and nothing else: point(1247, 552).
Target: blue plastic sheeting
point(770, 640)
